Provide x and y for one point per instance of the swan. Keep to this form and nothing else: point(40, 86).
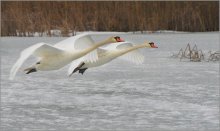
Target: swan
point(126, 50)
point(53, 57)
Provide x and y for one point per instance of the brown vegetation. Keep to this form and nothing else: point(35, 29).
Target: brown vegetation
point(196, 55)
point(42, 16)
point(193, 54)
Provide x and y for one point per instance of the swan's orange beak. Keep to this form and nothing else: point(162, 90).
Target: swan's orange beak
point(119, 40)
point(153, 45)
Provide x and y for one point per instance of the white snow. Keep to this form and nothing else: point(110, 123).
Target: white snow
point(161, 94)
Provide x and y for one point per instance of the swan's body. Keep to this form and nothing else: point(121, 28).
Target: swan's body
point(53, 57)
point(126, 50)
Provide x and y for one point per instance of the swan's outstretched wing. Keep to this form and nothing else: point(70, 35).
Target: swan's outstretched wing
point(39, 50)
point(134, 56)
point(79, 42)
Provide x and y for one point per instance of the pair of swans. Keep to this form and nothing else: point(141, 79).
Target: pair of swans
point(81, 50)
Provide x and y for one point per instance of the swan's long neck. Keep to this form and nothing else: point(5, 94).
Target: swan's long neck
point(87, 50)
point(124, 51)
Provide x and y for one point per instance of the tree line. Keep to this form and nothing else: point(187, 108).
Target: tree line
point(23, 18)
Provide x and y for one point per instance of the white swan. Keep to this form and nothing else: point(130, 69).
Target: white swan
point(126, 50)
point(53, 57)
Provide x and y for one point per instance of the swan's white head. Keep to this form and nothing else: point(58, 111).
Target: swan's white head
point(150, 45)
point(114, 39)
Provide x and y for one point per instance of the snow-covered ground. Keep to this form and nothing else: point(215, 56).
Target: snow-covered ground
point(161, 94)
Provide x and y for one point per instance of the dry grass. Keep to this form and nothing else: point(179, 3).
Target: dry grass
point(42, 16)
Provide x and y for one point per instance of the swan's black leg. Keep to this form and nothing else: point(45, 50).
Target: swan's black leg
point(82, 70)
point(31, 70)
point(77, 68)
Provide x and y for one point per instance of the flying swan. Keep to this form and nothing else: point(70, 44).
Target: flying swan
point(53, 57)
point(126, 50)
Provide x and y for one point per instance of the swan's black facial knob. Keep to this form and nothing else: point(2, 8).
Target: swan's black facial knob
point(151, 43)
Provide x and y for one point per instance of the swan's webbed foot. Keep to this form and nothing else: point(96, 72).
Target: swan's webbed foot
point(77, 68)
point(82, 70)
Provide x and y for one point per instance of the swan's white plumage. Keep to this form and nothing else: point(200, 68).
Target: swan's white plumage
point(79, 42)
point(40, 49)
point(134, 56)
